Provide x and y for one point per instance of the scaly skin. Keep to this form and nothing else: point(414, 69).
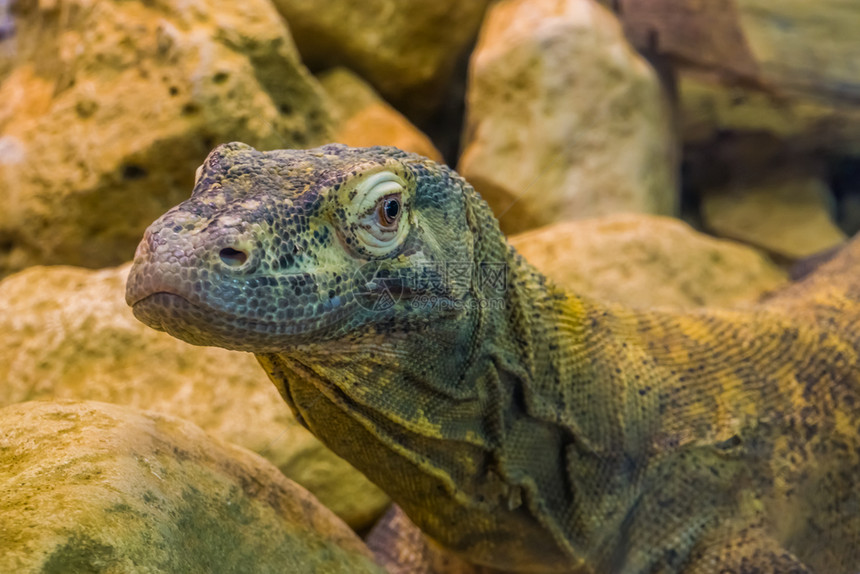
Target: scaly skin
point(522, 426)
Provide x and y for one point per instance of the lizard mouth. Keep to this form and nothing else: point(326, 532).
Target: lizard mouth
point(200, 324)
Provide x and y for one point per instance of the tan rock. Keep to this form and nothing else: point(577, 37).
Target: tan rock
point(401, 547)
point(708, 106)
point(364, 119)
point(805, 125)
point(786, 68)
point(93, 487)
point(646, 260)
point(792, 46)
point(107, 109)
point(691, 32)
point(787, 215)
point(67, 333)
point(564, 119)
point(405, 48)
point(803, 45)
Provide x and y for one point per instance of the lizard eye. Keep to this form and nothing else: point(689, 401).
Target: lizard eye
point(388, 211)
point(380, 211)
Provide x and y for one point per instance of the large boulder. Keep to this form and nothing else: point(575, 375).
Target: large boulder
point(67, 333)
point(363, 119)
point(646, 261)
point(692, 33)
point(406, 48)
point(805, 124)
point(805, 46)
point(107, 109)
point(787, 68)
point(564, 119)
point(788, 214)
point(93, 487)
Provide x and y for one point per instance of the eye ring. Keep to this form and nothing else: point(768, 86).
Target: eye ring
point(378, 216)
point(388, 210)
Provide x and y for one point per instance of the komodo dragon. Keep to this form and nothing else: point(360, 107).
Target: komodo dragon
point(521, 426)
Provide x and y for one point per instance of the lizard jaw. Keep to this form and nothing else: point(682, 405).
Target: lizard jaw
point(205, 326)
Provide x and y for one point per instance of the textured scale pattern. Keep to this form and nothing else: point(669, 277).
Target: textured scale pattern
point(524, 427)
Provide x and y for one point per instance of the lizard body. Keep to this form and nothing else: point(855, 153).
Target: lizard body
point(524, 427)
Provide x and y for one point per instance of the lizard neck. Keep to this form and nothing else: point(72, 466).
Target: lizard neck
point(562, 442)
point(435, 416)
point(430, 436)
point(494, 425)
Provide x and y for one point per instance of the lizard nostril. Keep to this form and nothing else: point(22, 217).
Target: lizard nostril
point(233, 257)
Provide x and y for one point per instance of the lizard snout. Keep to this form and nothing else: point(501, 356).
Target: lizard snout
point(236, 257)
point(232, 247)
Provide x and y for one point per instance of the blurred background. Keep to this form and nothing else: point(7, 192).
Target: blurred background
point(740, 116)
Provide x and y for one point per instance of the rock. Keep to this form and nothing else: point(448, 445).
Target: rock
point(93, 487)
point(364, 119)
point(796, 45)
point(787, 68)
point(564, 119)
point(107, 109)
point(67, 333)
point(706, 35)
point(788, 215)
point(805, 46)
point(646, 260)
point(401, 547)
point(806, 125)
point(406, 48)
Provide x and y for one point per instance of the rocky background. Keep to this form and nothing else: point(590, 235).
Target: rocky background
point(654, 152)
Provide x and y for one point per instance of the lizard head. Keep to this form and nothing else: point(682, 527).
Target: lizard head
point(367, 282)
point(292, 247)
